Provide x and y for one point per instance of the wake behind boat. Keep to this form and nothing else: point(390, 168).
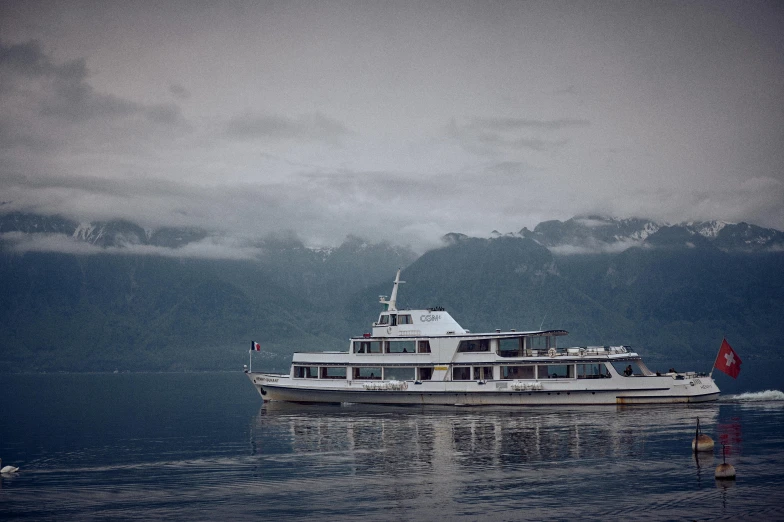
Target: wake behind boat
point(425, 357)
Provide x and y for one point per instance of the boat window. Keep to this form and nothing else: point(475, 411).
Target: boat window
point(404, 319)
point(627, 368)
point(555, 371)
point(423, 347)
point(511, 347)
point(474, 345)
point(539, 342)
point(592, 371)
point(367, 346)
point(398, 374)
point(483, 373)
point(384, 319)
point(425, 374)
point(400, 347)
point(461, 373)
point(333, 372)
point(392, 320)
point(517, 372)
point(367, 373)
point(306, 372)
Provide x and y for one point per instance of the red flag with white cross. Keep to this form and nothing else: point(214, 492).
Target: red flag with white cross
point(727, 360)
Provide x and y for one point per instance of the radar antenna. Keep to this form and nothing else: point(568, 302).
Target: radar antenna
point(391, 303)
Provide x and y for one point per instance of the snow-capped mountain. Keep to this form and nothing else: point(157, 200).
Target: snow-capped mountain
point(584, 234)
point(592, 233)
point(580, 234)
point(114, 233)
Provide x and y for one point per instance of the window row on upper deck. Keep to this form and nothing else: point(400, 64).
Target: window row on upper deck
point(505, 347)
point(521, 346)
point(408, 346)
point(394, 319)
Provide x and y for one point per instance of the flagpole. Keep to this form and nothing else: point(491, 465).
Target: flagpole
point(710, 375)
point(250, 358)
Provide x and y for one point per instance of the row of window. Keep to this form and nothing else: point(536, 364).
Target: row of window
point(364, 373)
point(391, 346)
point(514, 347)
point(510, 347)
point(394, 319)
point(459, 373)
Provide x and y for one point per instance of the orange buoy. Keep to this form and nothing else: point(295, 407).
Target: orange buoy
point(725, 471)
point(701, 442)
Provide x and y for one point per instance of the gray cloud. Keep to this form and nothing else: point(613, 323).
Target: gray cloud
point(514, 124)
point(396, 121)
point(496, 135)
point(595, 248)
point(62, 91)
point(311, 127)
point(208, 248)
point(28, 59)
point(179, 92)
point(11, 137)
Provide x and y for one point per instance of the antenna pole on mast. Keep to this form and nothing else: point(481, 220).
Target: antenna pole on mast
point(391, 303)
point(542, 323)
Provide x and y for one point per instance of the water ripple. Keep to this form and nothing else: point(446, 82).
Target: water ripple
point(352, 462)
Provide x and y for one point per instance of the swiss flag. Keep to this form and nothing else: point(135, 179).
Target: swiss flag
point(727, 360)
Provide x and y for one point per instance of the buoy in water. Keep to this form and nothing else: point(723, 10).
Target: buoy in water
point(725, 471)
point(701, 442)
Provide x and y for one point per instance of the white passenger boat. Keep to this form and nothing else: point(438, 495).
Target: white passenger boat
point(426, 357)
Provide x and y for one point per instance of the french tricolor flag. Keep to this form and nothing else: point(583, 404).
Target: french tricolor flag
point(255, 347)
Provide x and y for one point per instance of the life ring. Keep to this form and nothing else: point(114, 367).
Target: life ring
point(389, 329)
point(551, 352)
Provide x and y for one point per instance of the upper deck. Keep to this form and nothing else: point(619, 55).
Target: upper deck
point(433, 335)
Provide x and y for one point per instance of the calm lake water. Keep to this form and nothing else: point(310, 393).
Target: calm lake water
point(202, 447)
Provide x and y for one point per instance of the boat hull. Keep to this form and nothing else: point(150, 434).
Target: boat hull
point(495, 393)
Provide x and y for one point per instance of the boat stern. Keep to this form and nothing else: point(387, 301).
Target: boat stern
point(682, 388)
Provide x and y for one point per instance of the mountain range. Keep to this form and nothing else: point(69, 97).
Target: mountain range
point(139, 299)
point(581, 234)
point(591, 234)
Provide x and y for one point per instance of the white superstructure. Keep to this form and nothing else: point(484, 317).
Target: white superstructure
point(425, 357)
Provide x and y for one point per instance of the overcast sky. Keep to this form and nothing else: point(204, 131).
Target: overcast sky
point(399, 121)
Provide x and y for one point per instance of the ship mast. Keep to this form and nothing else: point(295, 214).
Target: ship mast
point(391, 303)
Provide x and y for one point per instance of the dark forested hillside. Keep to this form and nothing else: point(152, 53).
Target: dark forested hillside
point(673, 295)
point(146, 313)
point(675, 302)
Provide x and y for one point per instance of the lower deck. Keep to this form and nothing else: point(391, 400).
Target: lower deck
point(632, 390)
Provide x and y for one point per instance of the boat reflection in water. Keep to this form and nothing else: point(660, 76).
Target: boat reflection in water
point(476, 460)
